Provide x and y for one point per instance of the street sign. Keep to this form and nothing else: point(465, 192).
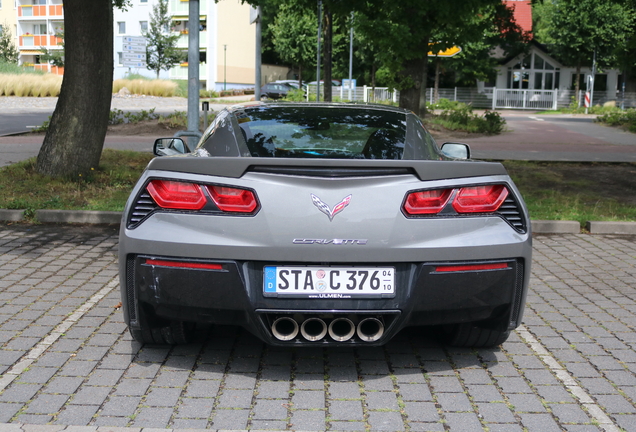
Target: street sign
point(133, 51)
point(450, 52)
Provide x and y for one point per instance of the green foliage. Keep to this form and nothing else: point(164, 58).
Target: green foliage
point(7, 68)
point(460, 116)
point(208, 94)
point(445, 104)
point(106, 188)
point(8, 51)
point(296, 95)
point(179, 120)
point(573, 29)
point(118, 116)
point(161, 51)
point(294, 35)
point(625, 119)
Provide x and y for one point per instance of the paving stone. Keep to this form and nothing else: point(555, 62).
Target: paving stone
point(421, 412)
point(569, 413)
point(235, 399)
point(308, 420)
point(271, 409)
point(346, 410)
point(386, 421)
point(306, 399)
point(463, 422)
point(344, 391)
point(231, 419)
point(273, 389)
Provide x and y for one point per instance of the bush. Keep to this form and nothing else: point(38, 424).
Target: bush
point(462, 118)
point(38, 85)
point(162, 88)
point(445, 104)
point(626, 119)
point(296, 95)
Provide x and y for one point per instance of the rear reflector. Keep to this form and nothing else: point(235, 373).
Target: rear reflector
point(176, 195)
point(233, 199)
point(182, 264)
point(471, 267)
point(427, 202)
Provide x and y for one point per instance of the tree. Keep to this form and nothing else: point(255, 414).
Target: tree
point(574, 29)
point(8, 51)
point(75, 138)
point(402, 33)
point(161, 51)
point(294, 37)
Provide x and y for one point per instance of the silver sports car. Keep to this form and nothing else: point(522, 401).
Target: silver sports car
point(323, 224)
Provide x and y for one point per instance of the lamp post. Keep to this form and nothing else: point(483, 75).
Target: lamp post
point(224, 67)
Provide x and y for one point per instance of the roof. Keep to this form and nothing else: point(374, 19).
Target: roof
point(522, 13)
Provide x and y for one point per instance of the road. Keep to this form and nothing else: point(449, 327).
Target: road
point(68, 360)
point(555, 138)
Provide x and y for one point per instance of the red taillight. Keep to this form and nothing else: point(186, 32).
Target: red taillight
point(182, 264)
point(480, 199)
point(427, 202)
point(177, 195)
point(233, 199)
point(471, 267)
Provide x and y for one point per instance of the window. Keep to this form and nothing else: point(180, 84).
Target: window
point(39, 29)
point(120, 58)
point(121, 28)
point(39, 2)
point(143, 1)
point(143, 25)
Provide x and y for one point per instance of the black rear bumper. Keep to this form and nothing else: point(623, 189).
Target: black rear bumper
point(233, 294)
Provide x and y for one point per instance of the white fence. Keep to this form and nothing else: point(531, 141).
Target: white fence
point(487, 98)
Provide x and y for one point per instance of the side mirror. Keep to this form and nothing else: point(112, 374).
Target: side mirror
point(170, 146)
point(456, 150)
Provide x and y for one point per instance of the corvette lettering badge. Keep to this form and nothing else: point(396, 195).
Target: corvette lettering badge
point(325, 208)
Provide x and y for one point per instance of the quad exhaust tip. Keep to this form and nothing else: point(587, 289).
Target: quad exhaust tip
point(341, 329)
point(313, 329)
point(285, 328)
point(370, 329)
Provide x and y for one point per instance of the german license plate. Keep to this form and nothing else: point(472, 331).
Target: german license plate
point(329, 282)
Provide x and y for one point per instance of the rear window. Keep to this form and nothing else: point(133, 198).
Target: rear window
point(328, 132)
point(311, 131)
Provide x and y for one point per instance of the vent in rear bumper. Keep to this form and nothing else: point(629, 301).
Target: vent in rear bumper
point(142, 208)
point(510, 210)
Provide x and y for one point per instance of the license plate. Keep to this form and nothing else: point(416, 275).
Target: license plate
point(329, 282)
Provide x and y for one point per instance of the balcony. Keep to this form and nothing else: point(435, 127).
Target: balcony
point(41, 11)
point(181, 71)
point(183, 40)
point(31, 41)
point(182, 7)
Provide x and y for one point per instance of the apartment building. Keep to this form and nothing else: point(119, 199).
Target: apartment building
point(37, 24)
point(8, 18)
point(226, 41)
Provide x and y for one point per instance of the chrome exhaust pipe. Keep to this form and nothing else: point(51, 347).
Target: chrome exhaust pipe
point(313, 329)
point(341, 329)
point(370, 329)
point(285, 328)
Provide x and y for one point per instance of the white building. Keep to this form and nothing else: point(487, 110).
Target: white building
point(37, 24)
point(227, 41)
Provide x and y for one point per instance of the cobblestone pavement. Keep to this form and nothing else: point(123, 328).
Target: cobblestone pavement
point(68, 363)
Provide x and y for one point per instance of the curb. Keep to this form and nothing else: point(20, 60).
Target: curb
point(114, 217)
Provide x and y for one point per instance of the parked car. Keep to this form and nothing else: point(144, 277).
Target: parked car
point(335, 83)
point(323, 224)
point(276, 90)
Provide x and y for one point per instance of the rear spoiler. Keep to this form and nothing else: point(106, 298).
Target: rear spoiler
point(236, 167)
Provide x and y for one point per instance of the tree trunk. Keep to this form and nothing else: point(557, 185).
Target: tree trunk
point(577, 86)
point(328, 41)
point(73, 143)
point(300, 76)
point(414, 97)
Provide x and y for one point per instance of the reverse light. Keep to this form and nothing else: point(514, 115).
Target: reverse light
point(234, 200)
point(480, 199)
point(177, 195)
point(427, 202)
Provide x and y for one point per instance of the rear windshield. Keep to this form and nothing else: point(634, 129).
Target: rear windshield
point(328, 132)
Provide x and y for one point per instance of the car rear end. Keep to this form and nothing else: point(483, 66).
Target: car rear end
point(325, 252)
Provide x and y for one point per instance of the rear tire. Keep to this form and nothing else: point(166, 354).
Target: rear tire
point(470, 335)
point(155, 331)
